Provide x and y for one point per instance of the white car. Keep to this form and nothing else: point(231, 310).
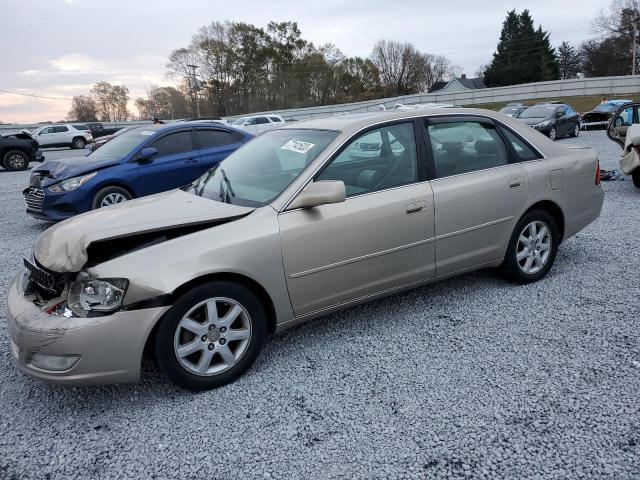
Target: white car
point(63, 135)
point(259, 123)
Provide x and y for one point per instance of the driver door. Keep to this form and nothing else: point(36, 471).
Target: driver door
point(380, 238)
point(626, 116)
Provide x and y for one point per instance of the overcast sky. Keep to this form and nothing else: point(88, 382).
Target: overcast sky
point(60, 48)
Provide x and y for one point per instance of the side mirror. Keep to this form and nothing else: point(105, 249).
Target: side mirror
point(320, 193)
point(147, 153)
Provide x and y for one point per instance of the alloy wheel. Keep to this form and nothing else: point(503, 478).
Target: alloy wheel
point(534, 247)
point(553, 134)
point(212, 336)
point(112, 199)
point(16, 161)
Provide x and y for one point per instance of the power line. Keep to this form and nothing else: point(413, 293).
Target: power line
point(36, 95)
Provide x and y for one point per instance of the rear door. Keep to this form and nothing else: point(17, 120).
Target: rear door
point(176, 164)
point(63, 135)
point(478, 191)
point(214, 145)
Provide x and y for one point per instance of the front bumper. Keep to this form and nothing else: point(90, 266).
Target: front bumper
point(46, 205)
point(110, 347)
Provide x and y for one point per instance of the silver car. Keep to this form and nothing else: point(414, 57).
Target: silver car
point(291, 227)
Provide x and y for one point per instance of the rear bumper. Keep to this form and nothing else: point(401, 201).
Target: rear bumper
point(109, 349)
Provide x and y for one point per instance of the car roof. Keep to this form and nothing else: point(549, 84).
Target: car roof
point(356, 121)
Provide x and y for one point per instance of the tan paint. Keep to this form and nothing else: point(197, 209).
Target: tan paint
point(309, 261)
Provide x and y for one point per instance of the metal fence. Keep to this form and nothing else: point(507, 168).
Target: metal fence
point(601, 86)
point(579, 87)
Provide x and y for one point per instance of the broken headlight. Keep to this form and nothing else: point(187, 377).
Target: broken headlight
point(96, 295)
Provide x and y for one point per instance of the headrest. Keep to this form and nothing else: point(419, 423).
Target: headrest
point(486, 146)
point(452, 146)
point(368, 179)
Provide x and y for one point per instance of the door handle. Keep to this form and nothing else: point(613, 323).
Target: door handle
point(191, 160)
point(516, 183)
point(415, 207)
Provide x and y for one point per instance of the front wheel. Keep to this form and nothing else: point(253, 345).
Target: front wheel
point(553, 133)
point(576, 130)
point(15, 160)
point(110, 196)
point(211, 336)
point(532, 248)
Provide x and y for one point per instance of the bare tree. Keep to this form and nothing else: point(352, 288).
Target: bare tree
point(83, 109)
point(111, 101)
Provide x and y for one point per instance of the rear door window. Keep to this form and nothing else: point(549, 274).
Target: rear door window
point(60, 129)
point(465, 146)
point(261, 120)
point(173, 143)
point(275, 120)
point(215, 138)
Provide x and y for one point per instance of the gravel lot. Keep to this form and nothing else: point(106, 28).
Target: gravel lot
point(468, 378)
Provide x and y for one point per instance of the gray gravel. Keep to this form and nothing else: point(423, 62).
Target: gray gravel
point(468, 378)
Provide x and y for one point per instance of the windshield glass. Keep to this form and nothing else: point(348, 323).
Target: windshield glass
point(123, 144)
point(606, 108)
point(509, 110)
point(261, 170)
point(239, 121)
point(541, 111)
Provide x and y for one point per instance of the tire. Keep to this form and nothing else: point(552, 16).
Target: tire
point(635, 177)
point(79, 143)
point(15, 160)
point(576, 130)
point(197, 368)
point(553, 133)
point(518, 253)
point(110, 196)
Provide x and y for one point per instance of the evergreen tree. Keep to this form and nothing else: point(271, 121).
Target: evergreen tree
point(569, 61)
point(523, 54)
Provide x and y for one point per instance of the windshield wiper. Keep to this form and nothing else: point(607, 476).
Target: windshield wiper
point(226, 180)
point(225, 195)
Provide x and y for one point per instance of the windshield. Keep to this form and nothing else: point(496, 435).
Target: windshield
point(542, 111)
point(239, 121)
point(261, 170)
point(509, 110)
point(123, 144)
point(606, 108)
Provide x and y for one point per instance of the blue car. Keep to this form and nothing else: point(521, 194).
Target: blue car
point(143, 161)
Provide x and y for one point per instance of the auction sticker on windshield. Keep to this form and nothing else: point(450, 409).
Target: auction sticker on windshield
point(298, 146)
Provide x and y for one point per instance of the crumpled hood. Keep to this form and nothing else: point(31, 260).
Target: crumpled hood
point(63, 247)
point(53, 171)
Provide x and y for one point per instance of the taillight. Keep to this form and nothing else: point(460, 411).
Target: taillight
point(598, 172)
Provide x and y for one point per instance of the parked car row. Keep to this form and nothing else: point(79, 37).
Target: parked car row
point(272, 236)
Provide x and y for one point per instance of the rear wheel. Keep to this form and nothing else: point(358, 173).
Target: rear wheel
point(211, 335)
point(79, 143)
point(532, 248)
point(110, 196)
point(15, 160)
point(635, 176)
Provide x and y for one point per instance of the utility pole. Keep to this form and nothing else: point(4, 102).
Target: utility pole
point(635, 40)
point(194, 86)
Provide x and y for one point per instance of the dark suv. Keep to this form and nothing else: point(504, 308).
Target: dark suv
point(553, 119)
